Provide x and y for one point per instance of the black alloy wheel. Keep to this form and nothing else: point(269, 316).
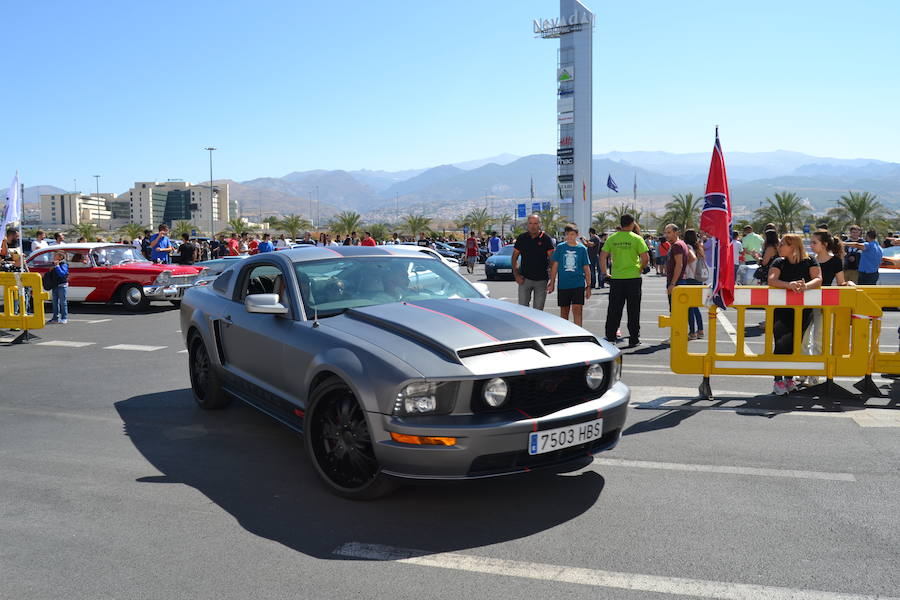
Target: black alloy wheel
point(338, 441)
point(205, 383)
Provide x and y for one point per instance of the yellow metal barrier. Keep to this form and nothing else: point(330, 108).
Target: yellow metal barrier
point(882, 362)
point(847, 347)
point(15, 313)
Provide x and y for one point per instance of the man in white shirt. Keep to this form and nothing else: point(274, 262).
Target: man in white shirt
point(40, 241)
point(58, 238)
point(136, 242)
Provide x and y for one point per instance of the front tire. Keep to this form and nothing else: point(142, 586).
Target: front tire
point(133, 298)
point(205, 383)
point(337, 440)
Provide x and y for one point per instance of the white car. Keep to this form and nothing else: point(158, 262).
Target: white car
point(453, 264)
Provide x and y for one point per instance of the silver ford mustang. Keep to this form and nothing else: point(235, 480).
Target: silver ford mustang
point(395, 367)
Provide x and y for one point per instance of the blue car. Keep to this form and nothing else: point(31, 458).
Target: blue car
point(499, 265)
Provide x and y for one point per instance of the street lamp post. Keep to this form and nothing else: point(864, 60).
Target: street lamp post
point(212, 214)
point(97, 178)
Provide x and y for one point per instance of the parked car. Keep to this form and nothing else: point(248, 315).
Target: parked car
point(499, 266)
point(102, 272)
point(395, 368)
point(213, 268)
point(445, 247)
point(483, 252)
point(448, 258)
point(889, 270)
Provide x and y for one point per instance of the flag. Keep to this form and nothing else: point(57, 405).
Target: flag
point(635, 187)
point(11, 213)
point(583, 191)
point(532, 188)
point(715, 220)
point(611, 184)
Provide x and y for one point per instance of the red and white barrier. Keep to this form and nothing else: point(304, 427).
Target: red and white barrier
point(777, 297)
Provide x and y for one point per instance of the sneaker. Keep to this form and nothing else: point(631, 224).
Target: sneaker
point(692, 336)
point(633, 343)
point(780, 388)
point(52, 321)
point(700, 335)
point(790, 384)
point(813, 380)
point(63, 321)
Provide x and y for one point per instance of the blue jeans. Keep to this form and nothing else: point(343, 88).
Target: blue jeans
point(59, 298)
point(694, 314)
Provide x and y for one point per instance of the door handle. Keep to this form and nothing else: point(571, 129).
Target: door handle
point(227, 319)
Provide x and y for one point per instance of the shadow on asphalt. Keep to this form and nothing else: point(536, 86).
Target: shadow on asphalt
point(257, 471)
point(79, 308)
point(666, 420)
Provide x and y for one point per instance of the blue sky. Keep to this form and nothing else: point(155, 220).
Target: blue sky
point(135, 90)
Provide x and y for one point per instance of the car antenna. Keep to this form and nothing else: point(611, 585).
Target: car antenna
point(315, 316)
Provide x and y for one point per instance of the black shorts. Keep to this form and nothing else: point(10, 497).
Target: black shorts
point(570, 296)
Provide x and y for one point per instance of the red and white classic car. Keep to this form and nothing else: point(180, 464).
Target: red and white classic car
point(116, 273)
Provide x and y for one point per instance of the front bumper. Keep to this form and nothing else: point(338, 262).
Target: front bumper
point(166, 292)
point(490, 445)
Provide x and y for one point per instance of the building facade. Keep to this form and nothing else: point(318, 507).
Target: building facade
point(154, 202)
point(74, 208)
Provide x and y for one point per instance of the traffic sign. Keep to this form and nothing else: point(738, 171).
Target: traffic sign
point(466, 229)
point(520, 211)
point(545, 206)
point(535, 207)
point(806, 229)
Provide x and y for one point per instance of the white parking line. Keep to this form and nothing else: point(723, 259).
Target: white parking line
point(680, 586)
point(182, 352)
point(730, 330)
point(65, 344)
point(136, 347)
point(89, 320)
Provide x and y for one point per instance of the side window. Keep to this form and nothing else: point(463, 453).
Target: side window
point(266, 279)
point(78, 259)
point(42, 260)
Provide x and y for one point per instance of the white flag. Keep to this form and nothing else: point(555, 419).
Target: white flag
point(12, 213)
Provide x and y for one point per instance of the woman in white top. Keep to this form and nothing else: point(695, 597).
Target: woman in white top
point(694, 275)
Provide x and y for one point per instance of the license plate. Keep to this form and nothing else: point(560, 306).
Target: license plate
point(564, 437)
point(504, 270)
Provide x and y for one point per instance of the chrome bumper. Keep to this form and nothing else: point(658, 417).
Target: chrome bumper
point(166, 292)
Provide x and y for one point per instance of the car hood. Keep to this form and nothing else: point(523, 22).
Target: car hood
point(155, 268)
point(465, 337)
point(500, 260)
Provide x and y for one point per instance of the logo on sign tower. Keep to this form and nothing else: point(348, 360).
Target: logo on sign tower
point(574, 28)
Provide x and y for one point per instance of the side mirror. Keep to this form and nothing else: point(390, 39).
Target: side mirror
point(483, 288)
point(266, 304)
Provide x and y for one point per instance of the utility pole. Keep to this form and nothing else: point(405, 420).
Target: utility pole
point(212, 214)
point(318, 207)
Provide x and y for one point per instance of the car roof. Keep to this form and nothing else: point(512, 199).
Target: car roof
point(324, 253)
point(86, 246)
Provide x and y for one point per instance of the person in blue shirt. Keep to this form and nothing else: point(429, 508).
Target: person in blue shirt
point(60, 292)
point(870, 259)
point(494, 244)
point(265, 245)
point(572, 266)
point(160, 245)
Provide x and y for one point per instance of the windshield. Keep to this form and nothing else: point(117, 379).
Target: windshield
point(330, 287)
point(892, 252)
point(117, 255)
point(505, 251)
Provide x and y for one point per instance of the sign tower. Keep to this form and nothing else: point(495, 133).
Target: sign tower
point(574, 105)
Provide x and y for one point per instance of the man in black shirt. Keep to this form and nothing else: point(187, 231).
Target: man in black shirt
point(186, 250)
point(593, 245)
point(534, 247)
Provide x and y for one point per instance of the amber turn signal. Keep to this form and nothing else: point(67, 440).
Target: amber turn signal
point(421, 440)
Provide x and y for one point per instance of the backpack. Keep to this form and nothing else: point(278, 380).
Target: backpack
point(50, 279)
point(701, 271)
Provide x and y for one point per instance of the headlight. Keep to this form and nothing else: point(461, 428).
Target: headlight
point(594, 376)
point(164, 278)
point(426, 397)
point(616, 370)
point(495, 392)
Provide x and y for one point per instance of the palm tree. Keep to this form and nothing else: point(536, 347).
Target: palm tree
point(272, 220)
point(293, 225)
point(461, 221)
point(86, 230)
point(683, 210)
point(623, 209)
point(132, 231)
point(860, 208)
point(179, 227)
point(479, 220)
point(346, 222)
point(379, 231)
point(415, 224)
point(786, 209)
point(552, 221)
point(603, 221)
point(238, 226)
point(502, 220)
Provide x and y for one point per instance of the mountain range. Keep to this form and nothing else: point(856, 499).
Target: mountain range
point(500, 182)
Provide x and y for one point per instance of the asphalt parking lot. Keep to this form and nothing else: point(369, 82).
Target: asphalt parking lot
point(114, 485)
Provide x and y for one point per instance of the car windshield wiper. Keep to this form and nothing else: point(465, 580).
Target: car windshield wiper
point(330, 313)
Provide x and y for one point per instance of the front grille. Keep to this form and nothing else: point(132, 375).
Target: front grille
point(542, 392)
point(183, 279)
point(507, 462)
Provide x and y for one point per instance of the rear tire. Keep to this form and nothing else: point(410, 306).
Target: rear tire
point(206, 385)
point(133, 298)
point(337, 440)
